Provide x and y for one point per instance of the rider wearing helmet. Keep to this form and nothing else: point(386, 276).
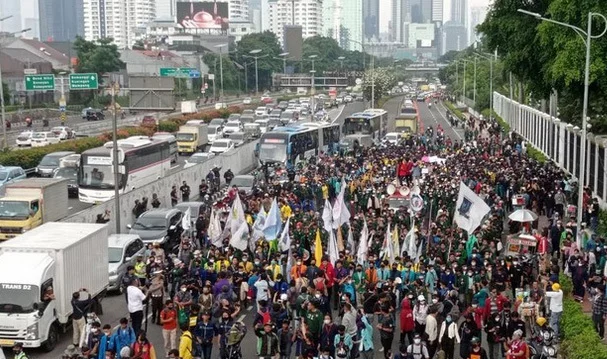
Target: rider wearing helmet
point(546, 333)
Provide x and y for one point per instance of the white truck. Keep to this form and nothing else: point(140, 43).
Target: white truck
point(56, 258)
point(188, 107)
point(192, 136)
point(30, 203)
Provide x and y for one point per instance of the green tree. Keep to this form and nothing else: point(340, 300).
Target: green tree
point(327, 51)
point(378, 81)
point(100, 56)
point(268, 61)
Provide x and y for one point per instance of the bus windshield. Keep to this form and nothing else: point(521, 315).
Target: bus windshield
point(352, 126)
point(271, 152)
point(96, 176)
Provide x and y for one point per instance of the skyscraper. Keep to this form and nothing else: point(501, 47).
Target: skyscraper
point(401, 14)
point(421, 11)
point(477, 17)
point(459, 12)
point(60, 20)
point(351, 29)
point(437, 11)
point(165, 9)
point(371, 18)
point(278, 13)
point(10, 8)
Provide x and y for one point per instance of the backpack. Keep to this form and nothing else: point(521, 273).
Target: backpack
point(455, 312)
point(341, 351)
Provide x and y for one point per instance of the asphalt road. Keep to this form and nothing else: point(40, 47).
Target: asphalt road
point(437, 115)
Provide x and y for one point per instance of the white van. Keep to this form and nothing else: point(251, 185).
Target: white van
point(41, 139)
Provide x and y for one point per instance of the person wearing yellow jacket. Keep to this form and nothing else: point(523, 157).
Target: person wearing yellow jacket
point(185, 343)
point(285, 211)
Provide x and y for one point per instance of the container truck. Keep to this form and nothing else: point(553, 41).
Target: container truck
point(31, 202)
point(188, 107)
point(39, 272)
point(192, 136)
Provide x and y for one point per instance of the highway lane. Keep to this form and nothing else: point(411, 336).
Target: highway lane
point(114, 305)
point(436, 115)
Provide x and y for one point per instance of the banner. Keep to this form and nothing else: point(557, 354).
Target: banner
point(470, 209)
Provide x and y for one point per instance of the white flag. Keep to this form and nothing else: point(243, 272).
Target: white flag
point(409, 242)
point(333, 252)
point(240, 239)
point(273, 222)
point(186, 221)
point(351, 240)
point(237, 217)
point(363, 245)
point(470, 209)
point(387, 245)
point(258, 224)
point(215, 230)
point(341, 214)
point(285, 239)
point(327, 216)
point(289, 264)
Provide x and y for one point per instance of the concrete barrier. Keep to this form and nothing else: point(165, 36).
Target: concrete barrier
point(239, 160)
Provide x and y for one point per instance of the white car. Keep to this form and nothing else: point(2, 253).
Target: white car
point(392, 138)
point(25, 138)
point(247, 101)
point(64, 133)
point(260, 111)
point(232, 126)
point(221, 146)
point(41, 139)
point(348, 99)
point(220, 105)
point(197, 158)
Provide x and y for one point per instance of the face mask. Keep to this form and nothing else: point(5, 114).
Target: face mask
point(273, 262)
point(474, 305)
point(435, 300)
point(473, 264)
point(298, 263)
point(256, 263)
point(184, 289)
point(449, 319)
point(327, 321)
point(448, 272)
point(417, 341)
point(497, 319)
point(515, 263)
point(317, 295)
point(470, 274)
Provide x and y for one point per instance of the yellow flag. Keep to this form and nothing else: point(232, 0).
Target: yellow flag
point(318, 248)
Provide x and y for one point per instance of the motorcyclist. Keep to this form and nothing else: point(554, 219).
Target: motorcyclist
point(228, 176)
point(216, 178)
point(545, 332)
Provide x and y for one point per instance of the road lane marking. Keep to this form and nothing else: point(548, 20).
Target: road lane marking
point(176, 166)
point(70, 208)
point(339, 114)
point(447, 121)
point(241, 318)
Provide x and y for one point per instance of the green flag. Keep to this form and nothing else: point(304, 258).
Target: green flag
point(472, 240)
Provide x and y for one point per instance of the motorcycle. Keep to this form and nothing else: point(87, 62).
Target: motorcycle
point(543, 346)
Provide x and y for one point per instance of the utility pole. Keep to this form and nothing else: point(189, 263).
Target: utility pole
point(114, 89)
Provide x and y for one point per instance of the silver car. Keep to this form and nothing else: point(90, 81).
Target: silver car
point(123, 250)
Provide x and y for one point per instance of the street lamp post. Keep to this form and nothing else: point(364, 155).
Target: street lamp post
point(2, 104)
point(341, 61)
point(114, 89)
point(253, 54)
point(283, 57)
point(313, 58)
point(587, 38)
point(220, 46)
point(490, 82)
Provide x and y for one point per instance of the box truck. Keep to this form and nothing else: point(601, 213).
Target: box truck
point(188, 107)
point(192, 136)
point(56, 258)
point(30, 203)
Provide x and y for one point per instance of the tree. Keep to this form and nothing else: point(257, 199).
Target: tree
point(378, 81)
point(268, 61)
point(100, 56)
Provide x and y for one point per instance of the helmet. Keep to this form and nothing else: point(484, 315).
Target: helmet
point(475, 340)
point(556, 287)
point(540, 321)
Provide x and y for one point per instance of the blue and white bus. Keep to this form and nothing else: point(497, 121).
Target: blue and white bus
point(372, 122)
point(141, 161)
point(292, 144)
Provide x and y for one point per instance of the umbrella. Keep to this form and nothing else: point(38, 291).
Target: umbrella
point(523, 215)
point(426, 159)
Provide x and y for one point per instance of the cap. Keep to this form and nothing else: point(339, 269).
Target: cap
point(556, 287)
point(19, 345)
point(421, 298)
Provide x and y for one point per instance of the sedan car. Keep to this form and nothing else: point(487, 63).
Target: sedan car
point(247, 101)
point(63, 132)
point(392, 138)
point(10, 174)
point(239, 138)
point(232, 126)
point(221, 146)
point(260, 111)
point(244, 183)
point(24, 138)
point(197, 158)
point(159, 225)
point(93, 114)
point(195, 209)
point(123, 250)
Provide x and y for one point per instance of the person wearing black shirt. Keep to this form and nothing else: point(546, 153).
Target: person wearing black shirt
point(515, 324)
point(155, 201)
point(185, 192)
point(386, 331)
point(93, 342)
point(174, 198)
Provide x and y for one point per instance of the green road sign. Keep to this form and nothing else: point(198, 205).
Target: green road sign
point(177, 71)
point(42, 82)
point(84, 81)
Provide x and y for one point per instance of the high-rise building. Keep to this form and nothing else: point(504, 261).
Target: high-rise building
point(331, 18)
point(371, 19)
point(351, 29)
point(165, 9)
point(30, 18)
point(238, 10)
point(421, 11)
point(278, 13)
point(401, 14)
point(459, 12)
point(117, 19)
point(454, 37)
point(477, 17)
point(60, 20)
point(437, 11)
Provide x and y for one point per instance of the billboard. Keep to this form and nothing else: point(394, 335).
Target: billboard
point(203, 16)
point(293, 41)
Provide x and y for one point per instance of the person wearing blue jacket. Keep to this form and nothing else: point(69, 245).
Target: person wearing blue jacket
point(106, 343)
point(123, 337)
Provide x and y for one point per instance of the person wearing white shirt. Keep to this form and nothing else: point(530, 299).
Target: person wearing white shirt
point(556, 307)
point(432, 331)
point(263, 286)
point(448, 336)
point(136, 297)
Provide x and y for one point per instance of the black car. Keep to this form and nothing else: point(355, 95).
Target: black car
point(71, 174)
point(94, 115)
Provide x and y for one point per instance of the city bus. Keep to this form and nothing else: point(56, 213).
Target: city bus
point(292, 144)
point(371, 122)
point(141, 161)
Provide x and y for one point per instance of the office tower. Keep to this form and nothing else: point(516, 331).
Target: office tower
point(421, 11)
point(371, 19)
point(278, 13)
point(477, 17)
point(10, 8)
point(117, 19)
point(239, 10)
point(437, 11)
point(454, 37)
point(60, 20)
point(351, 30)
point(459, 12)
point(401, 14)
point(331, 18)
point(165, 9)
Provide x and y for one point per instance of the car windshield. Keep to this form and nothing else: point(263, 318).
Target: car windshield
point(213, 130)
point(220, 144)
point(3, 175)
point(18, 298)
point(233, 125)
point(114, 254)
point(67, 172)
point(50, 161)
point(237, 136)
point(14, 209)
point(25, 135)
point(150, 223)
point(39, 135)
point(57, 129)
point(216, 122)
point(242, 181)
point(184, 136)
